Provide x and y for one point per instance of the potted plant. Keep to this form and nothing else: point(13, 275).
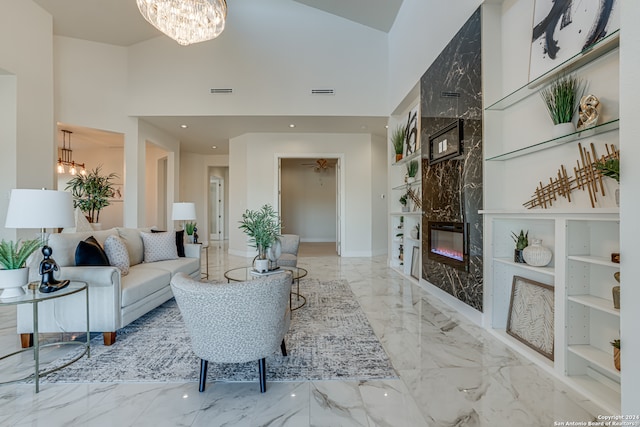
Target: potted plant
point(91, 192)
point(616, 353)
point(263, 228)
point(14, 274)
point(397, 140)
point(562, 98)
point(403, 201)
point(190, 228)
point(412, 170)
point(522, 241)
point(611, 168)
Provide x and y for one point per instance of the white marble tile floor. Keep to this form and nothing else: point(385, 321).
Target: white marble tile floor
point(451, 373)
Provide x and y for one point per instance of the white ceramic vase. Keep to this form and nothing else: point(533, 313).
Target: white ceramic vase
point(563, 129)
point(261, 265)
point(12, 282)
point(537, 255)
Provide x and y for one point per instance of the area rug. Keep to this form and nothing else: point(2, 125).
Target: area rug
point(330, 339)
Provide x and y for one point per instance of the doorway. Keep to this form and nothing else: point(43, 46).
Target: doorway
point(309, 200)
point(216, 208)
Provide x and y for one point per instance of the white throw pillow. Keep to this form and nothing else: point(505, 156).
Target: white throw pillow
point(159, 246)
point(117, 253)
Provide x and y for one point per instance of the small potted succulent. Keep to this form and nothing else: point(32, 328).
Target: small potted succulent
point(397, 140)
point(190, 228)
point(522, 241)
point(14, 274)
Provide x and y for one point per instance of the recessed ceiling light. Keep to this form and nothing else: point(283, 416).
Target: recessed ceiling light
point(292, 125)
point(184, 126)
point(386, 126)
point(214, 146)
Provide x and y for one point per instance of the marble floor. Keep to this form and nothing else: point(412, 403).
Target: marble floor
point(450, 373)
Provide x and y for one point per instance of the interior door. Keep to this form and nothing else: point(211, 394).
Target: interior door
point(338, 219)
point(216, 209)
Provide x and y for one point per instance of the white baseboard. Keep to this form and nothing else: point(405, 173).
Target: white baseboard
point(317, 240)
point(469, 312)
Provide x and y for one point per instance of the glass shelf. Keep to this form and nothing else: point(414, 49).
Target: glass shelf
point(581, 134)
point(598, 49)
point(409, 185)
point(412, 156)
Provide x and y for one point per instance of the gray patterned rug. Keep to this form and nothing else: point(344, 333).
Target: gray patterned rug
point(330, 338)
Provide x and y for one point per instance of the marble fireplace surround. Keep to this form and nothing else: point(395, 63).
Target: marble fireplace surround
point(451, 89)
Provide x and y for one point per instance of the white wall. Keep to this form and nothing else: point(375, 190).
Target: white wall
point(27, 102)
point(379, 212)
point(629, 205)
point(253, 180)
point(308, 201)
point(153, 154)
point(272, 54)
point(420, 32)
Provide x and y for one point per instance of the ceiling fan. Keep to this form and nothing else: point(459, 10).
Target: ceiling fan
point(320, 165)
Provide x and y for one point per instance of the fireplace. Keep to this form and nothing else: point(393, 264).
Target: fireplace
point(448, 243)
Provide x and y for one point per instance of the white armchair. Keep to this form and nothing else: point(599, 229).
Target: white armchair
point(235, 322)
point(289, 244)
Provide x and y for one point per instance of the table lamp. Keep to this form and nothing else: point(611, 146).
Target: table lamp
point(42, 209)
point(184, 211)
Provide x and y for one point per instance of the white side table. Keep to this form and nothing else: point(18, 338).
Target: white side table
point(34, 297)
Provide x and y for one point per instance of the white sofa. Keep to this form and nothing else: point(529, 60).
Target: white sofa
point(114, 300)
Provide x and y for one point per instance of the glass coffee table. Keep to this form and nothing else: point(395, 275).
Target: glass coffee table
point(242, 274)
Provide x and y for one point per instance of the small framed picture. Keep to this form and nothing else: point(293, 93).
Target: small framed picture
point(531, 313)
point(446, 143)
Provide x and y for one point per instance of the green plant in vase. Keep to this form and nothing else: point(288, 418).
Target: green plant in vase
point(263, 228)
point(412, 170)
point(14, 274)
point(397, 140)
point(562, 98)
point(190, 228)
point(611, 168)
point(522, 241)
point(404, 202)
point(91, 192)
point(616, 353)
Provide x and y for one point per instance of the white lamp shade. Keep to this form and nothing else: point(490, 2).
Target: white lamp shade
point(184, 211)
point(39, 209)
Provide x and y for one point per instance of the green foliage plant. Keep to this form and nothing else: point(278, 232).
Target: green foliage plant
point(91, 192)
point(412, 168)
point(562, 98)
point(610, 168)
point(13, 255)
point(403, 200)
point(522, 239)
point(616, 343)
point(263, 228)
point(397, 139)
point(189, 227)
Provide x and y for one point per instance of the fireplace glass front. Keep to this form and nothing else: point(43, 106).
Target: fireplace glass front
point(447, 243)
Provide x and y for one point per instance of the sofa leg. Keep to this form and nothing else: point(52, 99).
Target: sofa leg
point(109, 338)
point(26, 340)
point(263, 374)
point(203, 374)
point(283, 347)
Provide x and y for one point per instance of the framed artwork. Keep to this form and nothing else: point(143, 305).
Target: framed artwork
point(564, 28)
point(118, 193)
point(411, 138)
point(415, 263)
point(446, 143)
point(531, 313)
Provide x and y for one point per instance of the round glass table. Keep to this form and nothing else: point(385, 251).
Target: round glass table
point(242, 274)
point(35, 297)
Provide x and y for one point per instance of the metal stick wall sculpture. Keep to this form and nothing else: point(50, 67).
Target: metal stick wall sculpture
point(586, 177)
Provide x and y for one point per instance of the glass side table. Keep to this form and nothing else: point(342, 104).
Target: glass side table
point(34, 297)
point(242, 274)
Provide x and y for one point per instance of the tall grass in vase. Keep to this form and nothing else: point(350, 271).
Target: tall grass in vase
point(561, 98)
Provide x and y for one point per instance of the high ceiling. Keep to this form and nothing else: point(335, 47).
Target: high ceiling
point(96, 20)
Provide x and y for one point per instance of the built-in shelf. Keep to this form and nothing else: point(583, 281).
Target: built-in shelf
point(594, 260)
point(575, 136)
point(408, 185)
point(525, 350)
point(598, 49)
point(413, 156)
point(550, 271)
point(596, 357)
point(548, 212)
point(410, 239)
point(607, 397)
point(602, 304)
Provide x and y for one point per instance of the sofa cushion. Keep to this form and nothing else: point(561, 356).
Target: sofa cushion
point(64, 246)
point(90, 253)
point(142, 282)
point(173, 266)
point(159, 246)
point(132, 239)
point(117, 253)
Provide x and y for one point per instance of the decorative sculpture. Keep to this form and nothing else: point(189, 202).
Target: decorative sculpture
point(588, 111)
point(586, 177)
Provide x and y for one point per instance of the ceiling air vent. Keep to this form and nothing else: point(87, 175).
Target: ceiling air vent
point(322, 92)
point(219, 90)
point(449, 94)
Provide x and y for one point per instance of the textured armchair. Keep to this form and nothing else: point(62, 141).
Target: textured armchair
point(289, 246)
point(235, 322)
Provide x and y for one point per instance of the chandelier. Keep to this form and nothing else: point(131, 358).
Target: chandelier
point(65, 157)
point(186, 21)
